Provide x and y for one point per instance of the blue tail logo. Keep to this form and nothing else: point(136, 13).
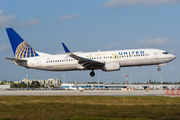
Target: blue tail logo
point(25, 51)
point(20, 47)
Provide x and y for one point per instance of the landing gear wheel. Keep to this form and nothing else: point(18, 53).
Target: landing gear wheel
point(92, 74)
point(159, 69)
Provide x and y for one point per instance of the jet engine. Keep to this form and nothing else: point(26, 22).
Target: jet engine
point(111, 66)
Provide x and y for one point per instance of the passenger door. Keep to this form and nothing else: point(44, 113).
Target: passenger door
point(156, 54)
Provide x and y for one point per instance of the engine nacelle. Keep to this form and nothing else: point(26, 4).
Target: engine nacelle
point(111, 66)
point(80, 67)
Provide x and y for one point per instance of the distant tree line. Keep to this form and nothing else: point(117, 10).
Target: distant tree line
point(72, 82)
point(94, 82)
point(5, 81)
point(34, 84)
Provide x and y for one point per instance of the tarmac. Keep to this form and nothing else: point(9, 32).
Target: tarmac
point(84, 93)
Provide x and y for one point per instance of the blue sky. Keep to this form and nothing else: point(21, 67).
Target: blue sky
point(87, 25)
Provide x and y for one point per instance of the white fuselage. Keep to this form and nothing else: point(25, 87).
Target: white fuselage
point(126, 58)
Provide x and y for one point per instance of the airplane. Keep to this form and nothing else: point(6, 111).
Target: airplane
point(27, 57)
point(71, 88)
point(80, 88)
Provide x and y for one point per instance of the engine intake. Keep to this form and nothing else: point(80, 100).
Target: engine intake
point(111, 66)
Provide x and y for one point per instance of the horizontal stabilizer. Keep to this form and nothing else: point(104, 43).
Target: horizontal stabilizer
point(16, 60)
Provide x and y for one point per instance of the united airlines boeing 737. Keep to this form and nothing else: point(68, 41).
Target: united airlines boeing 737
point(27, 57)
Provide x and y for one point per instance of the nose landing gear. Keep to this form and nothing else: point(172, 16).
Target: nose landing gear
point(92, 74)
point(159, 69)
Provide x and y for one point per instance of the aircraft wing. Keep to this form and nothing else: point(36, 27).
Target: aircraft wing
point(83, 61)
point(16, 60)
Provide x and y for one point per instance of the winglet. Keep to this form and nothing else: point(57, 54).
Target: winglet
point(65, 48)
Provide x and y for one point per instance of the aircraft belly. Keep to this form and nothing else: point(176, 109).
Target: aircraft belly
point(58, 68)
point(142, 62)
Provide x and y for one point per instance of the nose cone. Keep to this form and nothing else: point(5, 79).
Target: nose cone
point(172, 57)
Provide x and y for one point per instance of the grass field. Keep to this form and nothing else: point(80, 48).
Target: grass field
point(89, 108)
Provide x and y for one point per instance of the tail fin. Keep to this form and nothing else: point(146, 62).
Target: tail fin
point(20, 47)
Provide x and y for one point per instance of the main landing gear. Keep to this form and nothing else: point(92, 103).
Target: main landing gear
point(92, 74)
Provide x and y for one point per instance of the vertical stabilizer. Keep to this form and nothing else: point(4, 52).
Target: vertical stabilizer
point(20, 47)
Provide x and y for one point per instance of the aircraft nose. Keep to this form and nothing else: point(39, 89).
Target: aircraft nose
point(173, 57)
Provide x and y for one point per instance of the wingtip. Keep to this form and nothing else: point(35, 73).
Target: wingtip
point(8, 28)
point(65, 48)
point(62, 43)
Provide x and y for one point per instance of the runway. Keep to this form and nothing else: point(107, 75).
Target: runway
point(84, 93)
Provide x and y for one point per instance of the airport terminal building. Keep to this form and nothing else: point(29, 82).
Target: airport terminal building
point(120, 86)
point(3, 87)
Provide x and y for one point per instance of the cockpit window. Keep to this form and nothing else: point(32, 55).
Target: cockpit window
point(165, 53)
